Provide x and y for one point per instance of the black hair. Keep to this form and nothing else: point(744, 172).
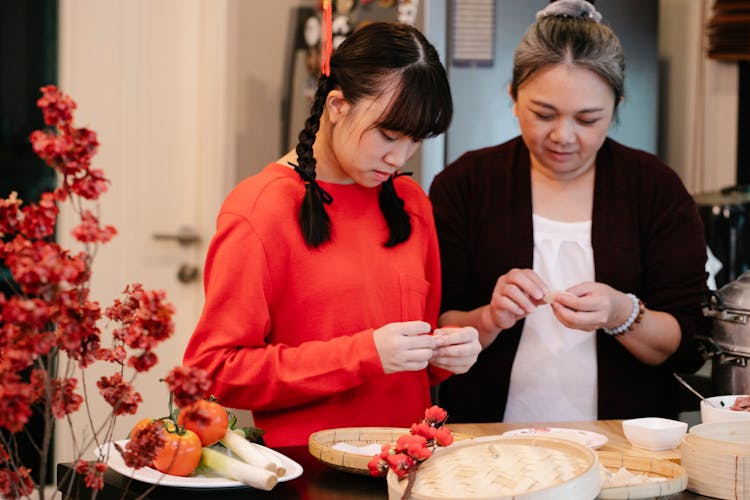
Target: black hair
point(366, 63)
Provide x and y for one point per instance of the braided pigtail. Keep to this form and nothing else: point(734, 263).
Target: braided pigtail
point(313, 218)
point(392, 207)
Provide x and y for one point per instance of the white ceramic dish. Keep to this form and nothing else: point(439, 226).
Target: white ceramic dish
point(591, 439)
point(654, 433)
point(203, 480)
point(721, 412)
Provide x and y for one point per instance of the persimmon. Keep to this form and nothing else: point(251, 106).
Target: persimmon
point(180, 454)
point(208, 419)
point(141, 424)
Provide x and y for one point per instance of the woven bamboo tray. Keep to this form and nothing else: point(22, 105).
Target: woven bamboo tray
point(504, 468)
point(320, 445)
point(716, 457)
point(676, 477)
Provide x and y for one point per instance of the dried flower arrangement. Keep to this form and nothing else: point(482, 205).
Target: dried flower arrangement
point(50, 327)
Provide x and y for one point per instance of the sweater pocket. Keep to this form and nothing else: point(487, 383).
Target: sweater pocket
point(414, 291)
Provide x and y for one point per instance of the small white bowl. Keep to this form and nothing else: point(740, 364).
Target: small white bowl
point(654, 433)
point(720, 412)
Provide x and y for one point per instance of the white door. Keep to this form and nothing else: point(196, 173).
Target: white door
point(150, 78)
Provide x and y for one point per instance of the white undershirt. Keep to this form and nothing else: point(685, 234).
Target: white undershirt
point(554, 375)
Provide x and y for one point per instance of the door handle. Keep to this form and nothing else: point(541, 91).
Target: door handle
point(187, 273)
point(185, 236)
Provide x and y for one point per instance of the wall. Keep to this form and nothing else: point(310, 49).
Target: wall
point(150, 78)
point(258, 32)
point(483, 109)
point(258, 36)
point(698, 135)
point(702, 152)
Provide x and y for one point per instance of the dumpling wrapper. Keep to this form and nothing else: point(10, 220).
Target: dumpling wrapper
point(551, 297)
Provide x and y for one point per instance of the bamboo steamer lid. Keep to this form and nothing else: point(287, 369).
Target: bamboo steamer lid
point(499, 468)
point(716, 457)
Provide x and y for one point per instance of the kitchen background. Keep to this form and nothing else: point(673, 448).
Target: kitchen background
point(189, 96)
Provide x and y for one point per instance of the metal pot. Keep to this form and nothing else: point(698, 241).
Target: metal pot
point(730, 336)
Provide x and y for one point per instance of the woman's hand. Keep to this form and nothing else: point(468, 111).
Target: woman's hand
point(590, 306)
point(404, 346)
point(517, 294)
point(456, 348)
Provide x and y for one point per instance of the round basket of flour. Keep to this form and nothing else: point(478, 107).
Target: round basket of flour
point(350, 449)
point(505, 467)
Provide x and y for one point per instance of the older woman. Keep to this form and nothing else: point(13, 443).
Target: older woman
point(580, 261)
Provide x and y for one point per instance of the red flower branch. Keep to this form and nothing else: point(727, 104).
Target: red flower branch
point(412, 449)
point(50, 328)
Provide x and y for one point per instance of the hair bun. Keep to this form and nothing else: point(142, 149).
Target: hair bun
point(570, 8)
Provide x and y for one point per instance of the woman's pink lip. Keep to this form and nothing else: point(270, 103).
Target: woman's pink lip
point(560, 154)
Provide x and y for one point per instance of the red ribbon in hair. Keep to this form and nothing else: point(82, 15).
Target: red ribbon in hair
point(326, 42)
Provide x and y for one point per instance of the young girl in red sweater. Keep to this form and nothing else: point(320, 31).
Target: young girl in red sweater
point(322, 281)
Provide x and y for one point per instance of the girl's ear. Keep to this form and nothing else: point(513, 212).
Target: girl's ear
point(336, 105)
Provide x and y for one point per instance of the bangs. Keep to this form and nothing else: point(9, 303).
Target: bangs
point(423, 107)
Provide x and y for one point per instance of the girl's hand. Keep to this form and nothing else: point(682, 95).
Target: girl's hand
point(517, 293)
point(456, 348)
point(590, 305)
point(404, 346)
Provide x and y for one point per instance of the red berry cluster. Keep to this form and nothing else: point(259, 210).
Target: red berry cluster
point(413, 448)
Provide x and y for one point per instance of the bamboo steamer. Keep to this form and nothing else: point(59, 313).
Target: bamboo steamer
point(675, 477)
point(504, 468)
point(716, 457)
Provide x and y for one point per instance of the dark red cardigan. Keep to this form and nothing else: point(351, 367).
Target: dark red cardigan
point(647, 238)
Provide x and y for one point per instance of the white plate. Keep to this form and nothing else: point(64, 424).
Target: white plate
point(591, 439)
point(205, 479)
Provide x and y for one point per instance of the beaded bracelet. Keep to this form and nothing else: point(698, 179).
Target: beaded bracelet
point(635, 317)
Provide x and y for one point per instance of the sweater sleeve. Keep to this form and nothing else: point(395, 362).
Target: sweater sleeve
point(452, 222)
point(231, 343)
point(674, 266)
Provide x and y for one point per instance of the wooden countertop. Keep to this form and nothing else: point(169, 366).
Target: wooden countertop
point(612, 429)
point(321, 482)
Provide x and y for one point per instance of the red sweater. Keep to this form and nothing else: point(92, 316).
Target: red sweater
point(287, 332)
